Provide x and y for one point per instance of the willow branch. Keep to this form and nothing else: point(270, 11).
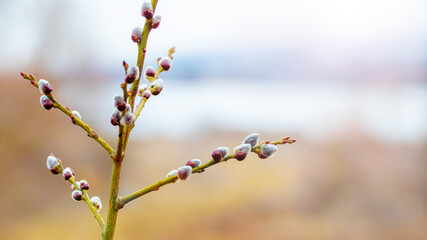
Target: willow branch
point(124, 135)
point(91, 133)
point(86, 198)
point(171, 179)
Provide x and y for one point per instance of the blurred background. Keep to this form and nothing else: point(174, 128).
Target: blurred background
point(347, 79)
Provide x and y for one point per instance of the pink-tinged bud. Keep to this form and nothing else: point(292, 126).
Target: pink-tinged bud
point(150, 72)
point(77, 195)
point(219, 154)
point(252, 139)
point(156, 21)
point(96, 201)
point(193, 163)
point(184, 172)
point(76, 114)
point(267, 150)
point(67, 173)
point(136, 35)
point(146, 94)
point(53, 164)
point(73, 187)
point(115, 117)
point(128, 118)
point(46, 102)
point(132, 74)
point(242, 151)
point(44, 87)
point(84, 185)
point(165, 63)
point(119, 102)
point(156, 87)
point(147, 10)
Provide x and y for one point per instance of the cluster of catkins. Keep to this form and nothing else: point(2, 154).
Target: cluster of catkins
point(123, 113)
point(54, 164)
point(249, 144)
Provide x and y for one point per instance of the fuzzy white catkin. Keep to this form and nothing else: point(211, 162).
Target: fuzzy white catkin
point(156, 21)
point(137, 35)
point(77, 114)
point(252, 139)
point(127, 119)
point(42, 85)
point(268, 150)
point(96, 201)
point(224, 151)
point(52, 162)
point(118, 100)
point(158, 83)
point(244, 148)
point(172, 173)
point(184, 172)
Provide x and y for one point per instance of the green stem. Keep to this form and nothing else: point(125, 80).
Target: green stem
point(154, 187)
point(84, 126)
point(124, 133)
point(86, 198)
point(113, 200)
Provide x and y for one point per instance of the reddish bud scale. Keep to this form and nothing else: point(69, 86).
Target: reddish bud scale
point(132, 74)
point(44, 86)
point(240, 156)
point(165, 63)
point(150, 72)
point(147, 10)
point(46, 102)
point(67, 173)
point(77, 195)
point(219, 154)
point(157, 91)
point(84, 185)
point(242, 151)
point(216, 156)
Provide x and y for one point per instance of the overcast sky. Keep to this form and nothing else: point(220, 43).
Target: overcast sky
point(102, 29)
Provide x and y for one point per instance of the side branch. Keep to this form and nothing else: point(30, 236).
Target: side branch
point(122, 201)
point(86, 198)
point(84, 126)
point(69, 113)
